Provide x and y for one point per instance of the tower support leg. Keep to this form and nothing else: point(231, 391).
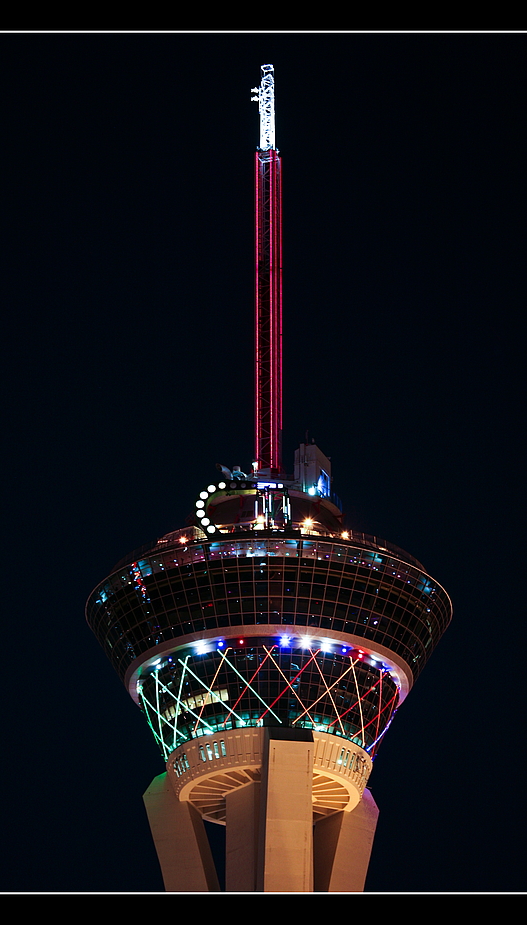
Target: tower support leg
point(241, 850)
point(342, 848)
point(181, 841)
point(285, 849)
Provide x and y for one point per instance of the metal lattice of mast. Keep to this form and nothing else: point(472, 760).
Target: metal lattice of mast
point(265, 100)
point(268, 286)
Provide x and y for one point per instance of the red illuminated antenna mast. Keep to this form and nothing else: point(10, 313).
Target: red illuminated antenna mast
point(268, 262)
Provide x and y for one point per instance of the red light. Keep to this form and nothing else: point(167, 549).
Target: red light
point(268, 303)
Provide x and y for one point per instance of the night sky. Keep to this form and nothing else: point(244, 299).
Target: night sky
point(127, 294)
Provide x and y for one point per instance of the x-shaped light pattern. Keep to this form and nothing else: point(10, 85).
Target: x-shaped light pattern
point(288, 687)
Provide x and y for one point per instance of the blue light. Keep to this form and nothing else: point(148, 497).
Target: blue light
point(285, 641)
point(324, 484)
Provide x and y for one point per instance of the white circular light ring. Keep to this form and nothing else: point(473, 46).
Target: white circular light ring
point(202, 503)
point(205, 496)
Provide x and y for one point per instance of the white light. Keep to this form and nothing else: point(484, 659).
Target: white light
point(201, 648)
point(306, 642)
point(312, 490)
point(211, 528)
point(205, 520)
point(285, 641)
point(200, 503)
point(200, 513)
point(204, 495)
point(211, 488)
point(221, 484)
point(266, 107)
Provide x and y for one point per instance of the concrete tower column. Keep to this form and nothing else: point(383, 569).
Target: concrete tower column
point(342, 848)
point(285, 840)
point(241, 845)
point(181, 841)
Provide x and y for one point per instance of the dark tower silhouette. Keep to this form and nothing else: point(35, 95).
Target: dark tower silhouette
point(268, 646)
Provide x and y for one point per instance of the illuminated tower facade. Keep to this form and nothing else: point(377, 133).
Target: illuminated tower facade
point(267, 646)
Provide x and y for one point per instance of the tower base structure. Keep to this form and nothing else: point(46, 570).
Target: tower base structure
point(298, 817)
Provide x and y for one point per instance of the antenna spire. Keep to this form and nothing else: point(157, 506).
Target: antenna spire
point(265, 99)
point(268, 285)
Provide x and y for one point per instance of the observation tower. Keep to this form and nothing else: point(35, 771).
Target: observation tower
point(267, 645)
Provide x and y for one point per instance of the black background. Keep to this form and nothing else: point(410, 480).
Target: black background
point(127, 292)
